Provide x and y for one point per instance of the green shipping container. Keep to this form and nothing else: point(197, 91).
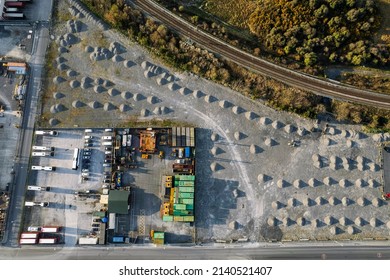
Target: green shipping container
point(167, 218)
point(176, 183)
point(186, 183)
point(158, 235)
point(179, 206)
point(188, 218)
point(190, 206)
point(186, 195)
point(181, 213)
point(186, 189)
point(186, 177)
point(188, 200)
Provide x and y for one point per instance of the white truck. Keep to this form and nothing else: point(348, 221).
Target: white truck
point(44, 132)
point(37, 188)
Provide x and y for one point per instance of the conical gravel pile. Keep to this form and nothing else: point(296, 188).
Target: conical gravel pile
point(124, 108)
point(78, 104)
point(126, 95)
point(58, 95)
point(53, 122)
point(108, 106)
point(113, 92)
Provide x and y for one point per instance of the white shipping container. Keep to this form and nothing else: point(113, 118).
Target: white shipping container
point(50, 229)
point(88, 240)
point(29, 235)
point(47, 241)
point(27, 241)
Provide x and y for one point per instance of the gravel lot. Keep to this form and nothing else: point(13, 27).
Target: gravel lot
point(251, 184)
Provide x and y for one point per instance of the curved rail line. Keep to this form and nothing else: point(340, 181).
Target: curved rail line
point(282, 74)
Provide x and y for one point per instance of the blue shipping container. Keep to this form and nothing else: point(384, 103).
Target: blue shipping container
point(118, 239)
point(187, 152)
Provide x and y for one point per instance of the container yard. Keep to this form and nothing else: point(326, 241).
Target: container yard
point(121, 184)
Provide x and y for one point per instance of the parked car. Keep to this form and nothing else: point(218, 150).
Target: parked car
point(106, 164)
point(88, 145)
point(87, 153)
point(107, 161)
point(86, 157)
point(85, 170)
point(95, 225)
point(108, 148)
point(107, 181)
point(87, 150)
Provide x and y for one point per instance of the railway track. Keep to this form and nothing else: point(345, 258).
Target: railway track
point(303, 81)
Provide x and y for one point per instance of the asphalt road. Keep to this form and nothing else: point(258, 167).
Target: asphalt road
point(23, 152)
point(264, 251)
point(306, 82)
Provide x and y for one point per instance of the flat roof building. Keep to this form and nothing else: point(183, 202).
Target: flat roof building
point(118, 202)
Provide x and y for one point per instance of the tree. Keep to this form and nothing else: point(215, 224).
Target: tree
point(310, 59)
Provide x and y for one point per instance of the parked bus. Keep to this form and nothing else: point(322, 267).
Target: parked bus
point(75, 161)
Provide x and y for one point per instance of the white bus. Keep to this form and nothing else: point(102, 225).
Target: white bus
point(75, 161)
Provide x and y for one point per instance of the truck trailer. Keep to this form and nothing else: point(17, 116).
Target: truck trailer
point(50, 229)
point(25, 235)
point(13, 15)
point(24, 241)
point(47, 240)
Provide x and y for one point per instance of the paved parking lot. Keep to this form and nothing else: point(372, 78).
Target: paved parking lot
point(65, 209)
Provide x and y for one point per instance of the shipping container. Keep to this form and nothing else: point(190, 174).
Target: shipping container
point(118, 239)
point(178, 219)
point(186, 183)
point(29, 235)
point(88, 240)
point(158, 235)
point(192, 137)
point(47, 241)
point(173, 137)
point(51, 229)
point(14, 4)
point(189, 206)
point(187, 200)
point(186, 195)
point(188, 218)
point(185, 177)
point(27, 241)
point(187, 152)
point(167, 218)
point(186, 189)
point(178, 206)
point(188, 137)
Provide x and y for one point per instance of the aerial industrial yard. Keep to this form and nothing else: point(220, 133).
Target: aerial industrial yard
point(128, 151)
